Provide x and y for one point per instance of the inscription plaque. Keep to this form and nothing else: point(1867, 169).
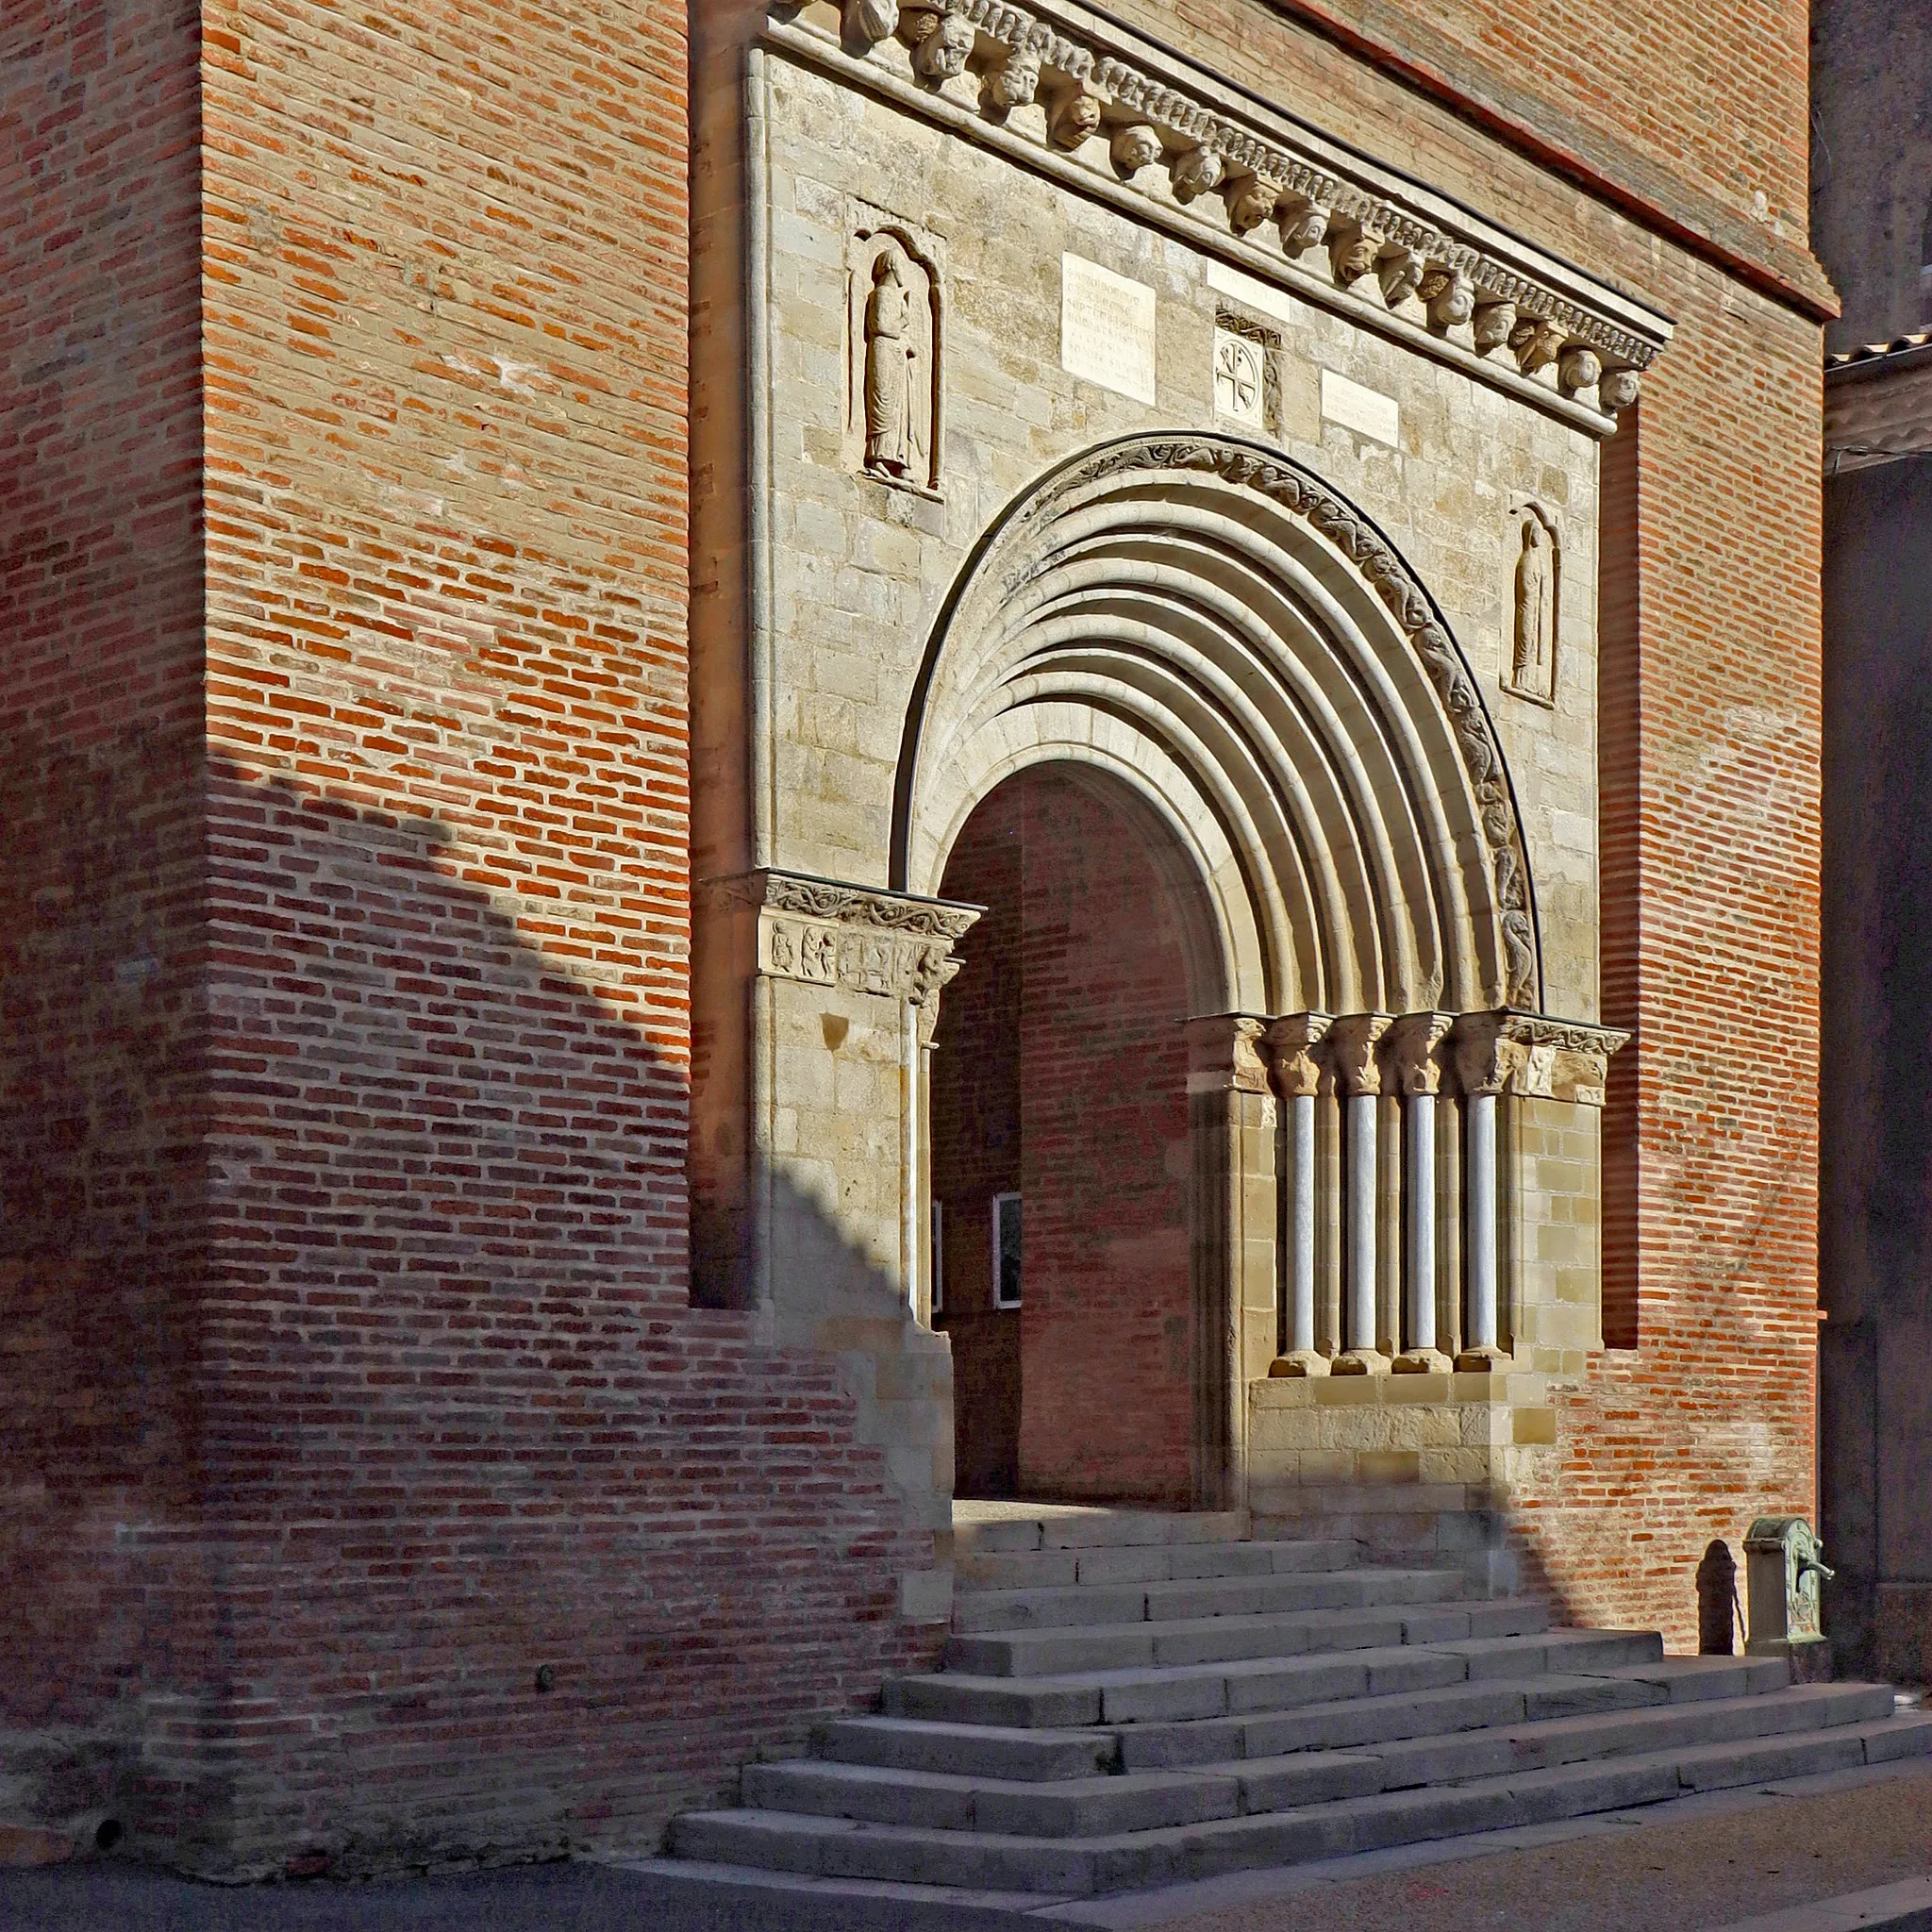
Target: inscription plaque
point(1107, 328)
point(1365, 410)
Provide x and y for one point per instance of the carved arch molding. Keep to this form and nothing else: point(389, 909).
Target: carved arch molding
point(1244, 647)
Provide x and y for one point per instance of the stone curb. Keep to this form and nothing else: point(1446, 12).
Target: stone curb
point(1903, 1908)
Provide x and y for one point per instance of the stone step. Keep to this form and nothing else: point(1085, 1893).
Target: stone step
point(1097, 1805)
point(1184, 1599)
point(1012, 1860)
point(988, 1529)
point(1218, 1639)
point(994, 1751)
point(1361, 1721)
point(976, 1570)
point(1235, 1687)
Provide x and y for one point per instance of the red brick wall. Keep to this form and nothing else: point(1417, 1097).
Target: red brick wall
point(976, 1139)
point(388, 1278)
point(1107, 1327)
point(101, 859)
point(1062, 1072)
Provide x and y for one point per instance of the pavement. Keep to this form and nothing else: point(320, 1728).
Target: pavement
point(1852, 1849)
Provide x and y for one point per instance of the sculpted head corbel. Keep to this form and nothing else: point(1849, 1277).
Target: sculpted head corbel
point(1449, 296)
point(1536, 342)
point(1197, 171)
point(1351, 252)
point(1400, 273)
point(1617, 390)
point(1495, 322)
point(1134, 148)
point(1303, 224)
point(1015, 82)
point(1075, 117)
point(945, 45)
point(1579, 366)
point(1252, 199)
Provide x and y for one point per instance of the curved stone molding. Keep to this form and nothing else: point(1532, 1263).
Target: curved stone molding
point(1486, 300)
point(1284, 482)
point(1126, 616)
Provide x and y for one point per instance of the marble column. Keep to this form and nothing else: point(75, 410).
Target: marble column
point(1351, 1052)
point(1290, 1043)
point(1486, 1056)
point(1412, 1056)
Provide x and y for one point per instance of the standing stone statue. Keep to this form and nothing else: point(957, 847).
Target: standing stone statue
point(889, 348)
point(1535, 610)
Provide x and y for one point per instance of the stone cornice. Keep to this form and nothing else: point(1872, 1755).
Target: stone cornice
point(1114, 116)
point(833, 903)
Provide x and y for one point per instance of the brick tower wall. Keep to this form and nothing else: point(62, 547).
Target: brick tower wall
point(372, 1313)
point(101, 781)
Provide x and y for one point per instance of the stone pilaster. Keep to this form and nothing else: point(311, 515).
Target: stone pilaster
point(1232, 1120)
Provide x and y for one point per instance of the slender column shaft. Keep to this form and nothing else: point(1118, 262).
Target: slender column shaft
point(1360, 1114)
point(1301, 1222)
point(1479, 1109)
point(1418, 1190)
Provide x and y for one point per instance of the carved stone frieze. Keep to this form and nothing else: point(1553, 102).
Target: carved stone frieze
point(824, 933)
point(1171, 135)
point(1295, 490)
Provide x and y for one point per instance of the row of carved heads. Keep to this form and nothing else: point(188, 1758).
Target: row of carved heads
point(1313, 216)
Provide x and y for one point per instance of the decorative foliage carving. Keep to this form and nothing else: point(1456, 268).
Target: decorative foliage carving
point(1313, 195)
point(1287, 484)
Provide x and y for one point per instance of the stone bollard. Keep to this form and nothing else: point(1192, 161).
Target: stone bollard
point(1717, 1600)
point(1785, 1566)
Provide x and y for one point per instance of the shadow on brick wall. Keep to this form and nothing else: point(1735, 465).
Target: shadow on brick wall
point(411, 1512)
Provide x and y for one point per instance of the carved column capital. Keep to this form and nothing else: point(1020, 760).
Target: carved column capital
point(1291, 1043)
point(1409, 1054)
point(1225, 1055)
point(1350, 1052)
point(1534, 1054)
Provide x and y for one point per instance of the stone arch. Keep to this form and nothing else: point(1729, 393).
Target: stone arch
point(1209, 621)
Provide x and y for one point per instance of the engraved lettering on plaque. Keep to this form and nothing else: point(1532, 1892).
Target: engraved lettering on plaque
point(1107, 328)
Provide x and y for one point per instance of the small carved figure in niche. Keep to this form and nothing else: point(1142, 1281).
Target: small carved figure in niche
point(888, 352)
point(1533, 663)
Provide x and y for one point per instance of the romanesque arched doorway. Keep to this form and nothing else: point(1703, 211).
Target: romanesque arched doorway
point(1205, 637)
point(1061, 1161)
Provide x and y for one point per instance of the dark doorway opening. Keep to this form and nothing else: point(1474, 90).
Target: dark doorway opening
point(1061, 1155)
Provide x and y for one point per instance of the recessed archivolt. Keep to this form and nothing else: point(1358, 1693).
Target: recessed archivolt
point(1240, 644)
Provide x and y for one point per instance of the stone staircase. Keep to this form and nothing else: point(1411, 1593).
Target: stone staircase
point(1132, 1700)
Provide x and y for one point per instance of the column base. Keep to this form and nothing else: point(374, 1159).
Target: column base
point(1359, 1361)
point(1302, 1361)
point(1419, 1362)
point(1484, 1359)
